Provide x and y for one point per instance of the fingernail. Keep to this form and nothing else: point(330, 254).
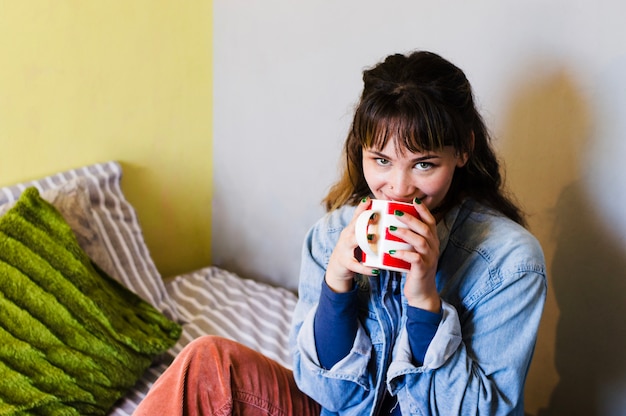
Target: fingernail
point(370, 237)
point(375, 272)
point(392, 251)
point(364, 199)
point(418, 201)
point(398, 213)
point(392, 228)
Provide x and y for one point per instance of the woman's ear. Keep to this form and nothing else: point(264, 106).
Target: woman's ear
point(464, 156)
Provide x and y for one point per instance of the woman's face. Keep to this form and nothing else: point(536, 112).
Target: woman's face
point(403, 176)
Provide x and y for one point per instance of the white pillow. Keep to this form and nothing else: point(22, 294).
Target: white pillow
point(106, 226)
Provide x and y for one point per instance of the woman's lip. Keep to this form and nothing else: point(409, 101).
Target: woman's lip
point(404, 200)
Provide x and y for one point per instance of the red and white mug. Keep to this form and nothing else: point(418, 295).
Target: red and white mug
point(376, 250)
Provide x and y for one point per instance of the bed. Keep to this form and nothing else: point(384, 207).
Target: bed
point(112, 254)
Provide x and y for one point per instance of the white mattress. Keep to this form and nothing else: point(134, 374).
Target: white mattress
point(216, 301)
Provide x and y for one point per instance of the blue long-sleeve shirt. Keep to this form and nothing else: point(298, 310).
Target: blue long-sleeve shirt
point(336, 327)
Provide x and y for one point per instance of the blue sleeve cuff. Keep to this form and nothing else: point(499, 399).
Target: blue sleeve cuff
point(421, 326)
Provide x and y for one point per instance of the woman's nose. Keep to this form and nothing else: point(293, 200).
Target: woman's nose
point(401, 184)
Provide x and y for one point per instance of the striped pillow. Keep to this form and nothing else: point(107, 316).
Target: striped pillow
point(115, 222)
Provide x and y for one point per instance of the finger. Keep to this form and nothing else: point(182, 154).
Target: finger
point(415, 227)
point(423, 212)
point(408, 256)
point(420, 263)
point(364, 205)
point(359, 268)
point(421, 240)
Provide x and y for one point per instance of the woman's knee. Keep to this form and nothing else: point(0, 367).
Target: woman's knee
point(215, 349)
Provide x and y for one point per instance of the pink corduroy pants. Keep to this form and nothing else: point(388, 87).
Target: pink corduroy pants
point(214, 376)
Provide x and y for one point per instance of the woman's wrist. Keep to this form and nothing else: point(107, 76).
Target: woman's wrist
point(430, 303)
point(339, 285)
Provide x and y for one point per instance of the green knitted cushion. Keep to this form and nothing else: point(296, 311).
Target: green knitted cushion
point(72, 339)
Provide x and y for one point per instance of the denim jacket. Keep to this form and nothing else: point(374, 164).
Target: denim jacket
point(492, 282)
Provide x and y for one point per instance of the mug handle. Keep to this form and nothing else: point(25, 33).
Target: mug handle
point(361, 230)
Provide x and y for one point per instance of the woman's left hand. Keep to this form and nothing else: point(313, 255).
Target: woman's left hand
point(420, 288)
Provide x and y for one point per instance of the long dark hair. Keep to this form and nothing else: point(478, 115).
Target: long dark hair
point(424, 103)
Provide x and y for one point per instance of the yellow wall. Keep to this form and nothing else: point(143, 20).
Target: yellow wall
point(130, 80)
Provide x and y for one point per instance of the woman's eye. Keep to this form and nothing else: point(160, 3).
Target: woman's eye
point(381, 161)
point(423, 165)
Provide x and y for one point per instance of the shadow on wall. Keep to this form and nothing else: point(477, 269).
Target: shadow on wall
point(588, 279)
point(582, 335)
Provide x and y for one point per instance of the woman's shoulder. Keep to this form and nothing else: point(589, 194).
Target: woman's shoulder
point(495, 236)
point(336, 220)
point(326, 230)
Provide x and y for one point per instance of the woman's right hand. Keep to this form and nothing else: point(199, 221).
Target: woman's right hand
point(342, 265)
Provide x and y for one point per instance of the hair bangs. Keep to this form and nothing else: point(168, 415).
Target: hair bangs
point(414, 123)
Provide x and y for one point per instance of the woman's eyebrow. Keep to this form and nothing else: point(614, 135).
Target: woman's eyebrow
point(426, 157)
point(416, 160)
point(379, 154)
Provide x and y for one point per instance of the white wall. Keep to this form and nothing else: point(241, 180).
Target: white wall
point(550, 77)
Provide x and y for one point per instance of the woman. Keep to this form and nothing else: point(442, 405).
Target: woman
point(453, 335)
